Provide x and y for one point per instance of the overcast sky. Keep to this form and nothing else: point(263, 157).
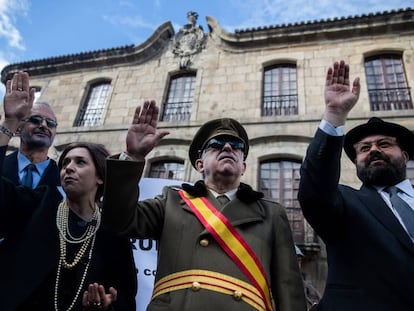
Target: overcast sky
point(31, 30)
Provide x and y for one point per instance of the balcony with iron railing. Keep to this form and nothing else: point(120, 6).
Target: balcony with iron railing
point(178, 111)
point(280, 105)
point(390, 99)
point(89, 117)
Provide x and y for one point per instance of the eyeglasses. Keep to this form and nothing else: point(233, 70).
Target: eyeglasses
point(37, 120)
point(381, 144)
point(219, 144)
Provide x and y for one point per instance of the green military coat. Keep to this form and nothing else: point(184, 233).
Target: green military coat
point(185, 244)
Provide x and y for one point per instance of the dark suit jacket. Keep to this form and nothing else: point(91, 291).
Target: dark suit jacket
point(50, 176)
point(370, 256)
point(29, 254)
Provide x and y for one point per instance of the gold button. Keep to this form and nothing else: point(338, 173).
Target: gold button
point(204, 242)
point(195, 286)
point(237, 295)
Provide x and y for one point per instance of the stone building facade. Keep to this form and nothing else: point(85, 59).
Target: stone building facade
point(270, 78)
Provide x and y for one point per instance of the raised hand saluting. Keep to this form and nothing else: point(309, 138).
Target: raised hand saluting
point(143, 136)
point(339, 97)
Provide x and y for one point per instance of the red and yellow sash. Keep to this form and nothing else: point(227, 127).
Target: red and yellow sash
point(231, 242)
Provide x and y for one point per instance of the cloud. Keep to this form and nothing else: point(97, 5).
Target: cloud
point(3, 63)
point(9, 9)
point(130, 21)
point(256, 13)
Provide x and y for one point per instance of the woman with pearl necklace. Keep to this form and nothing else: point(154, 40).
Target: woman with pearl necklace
point(54, 253)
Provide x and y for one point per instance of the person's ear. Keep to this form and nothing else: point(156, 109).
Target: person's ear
point(19, 129)
point(406, 156)
point(244, 168)
point(199, 164)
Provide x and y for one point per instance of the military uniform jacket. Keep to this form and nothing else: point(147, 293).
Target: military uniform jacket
point(184, 243)
point(370, 256)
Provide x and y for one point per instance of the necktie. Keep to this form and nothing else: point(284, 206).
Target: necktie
point(404, 210)
point(27, 179)
point(223, 199)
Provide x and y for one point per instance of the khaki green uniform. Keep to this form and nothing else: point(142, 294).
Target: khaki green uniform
point(184, 243)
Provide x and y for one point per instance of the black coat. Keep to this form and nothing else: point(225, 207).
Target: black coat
point(29, 253)
point(370, 255)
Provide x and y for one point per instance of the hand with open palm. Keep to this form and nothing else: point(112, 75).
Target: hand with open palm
point(143, 134)
point(340, 98)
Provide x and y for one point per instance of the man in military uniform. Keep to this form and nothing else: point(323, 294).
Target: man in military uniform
point(236, 255)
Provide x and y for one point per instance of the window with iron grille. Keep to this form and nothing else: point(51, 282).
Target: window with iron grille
point(167, 170)
point(280, 90)
point(387, 84)
point(91, 111)
point(179, 101)
point(410, 171)
point(279, 180)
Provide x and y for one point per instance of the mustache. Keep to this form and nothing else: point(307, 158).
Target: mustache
point(375, 156)
point(41, 131)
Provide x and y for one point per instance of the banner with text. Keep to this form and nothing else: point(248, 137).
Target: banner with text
point(145, 251)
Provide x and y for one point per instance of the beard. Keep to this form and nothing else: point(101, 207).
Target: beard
point(390, 173)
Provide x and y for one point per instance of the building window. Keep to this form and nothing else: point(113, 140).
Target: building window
point(387, 84)
point(167, 170)
point(179, 101)
point(91, 111)
point(279, 181)
point(38, 93)
point(410, 171)
point(280, 90)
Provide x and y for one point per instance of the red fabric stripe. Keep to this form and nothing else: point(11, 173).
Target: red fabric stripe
point(222, 243)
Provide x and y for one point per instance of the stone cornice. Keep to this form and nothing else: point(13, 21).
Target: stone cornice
point(130, 54)
point(392, 22)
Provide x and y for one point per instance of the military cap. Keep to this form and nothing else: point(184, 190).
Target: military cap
point(216, 128)
point(377, 126)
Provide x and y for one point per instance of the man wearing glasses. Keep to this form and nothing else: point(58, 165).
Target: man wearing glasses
point(30, 166)
point(222, 246)
point(368, 232)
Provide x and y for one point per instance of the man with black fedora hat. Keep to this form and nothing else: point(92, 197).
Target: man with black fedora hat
point(368, 232)
point(222, 246)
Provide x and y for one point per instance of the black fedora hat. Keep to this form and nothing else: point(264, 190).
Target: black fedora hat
point(215, 128)
point(377, 126)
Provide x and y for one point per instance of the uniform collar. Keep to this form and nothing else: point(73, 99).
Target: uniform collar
point(244, 192)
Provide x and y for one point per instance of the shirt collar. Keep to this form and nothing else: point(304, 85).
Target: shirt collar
point(404, 186)
point(23, 161)
point(230, 194)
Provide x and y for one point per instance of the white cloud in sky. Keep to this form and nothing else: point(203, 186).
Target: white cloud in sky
point(9, 9)
point(3, 62)
point(276, 12)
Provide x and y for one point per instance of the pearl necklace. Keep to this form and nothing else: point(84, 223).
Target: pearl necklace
point(88, 238)
point(62, 220)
